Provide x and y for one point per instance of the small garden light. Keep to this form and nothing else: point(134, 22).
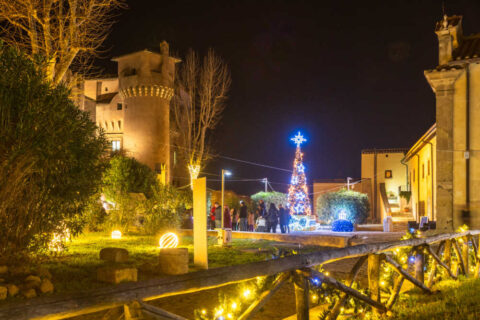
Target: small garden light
point(168, 240)
point(116, 234)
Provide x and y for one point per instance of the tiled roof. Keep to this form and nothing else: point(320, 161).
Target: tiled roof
point(106, 98)
point(469, 48)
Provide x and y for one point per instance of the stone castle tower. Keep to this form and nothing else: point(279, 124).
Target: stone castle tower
point(145, 82)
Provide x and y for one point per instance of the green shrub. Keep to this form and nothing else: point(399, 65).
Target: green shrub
point(277, 198)
point(51, 157)
point(128, 184)
point(165, 209)
point(94, 215)
point(355, 205)
point(127, 175)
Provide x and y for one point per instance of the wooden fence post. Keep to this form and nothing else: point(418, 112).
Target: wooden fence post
point(459, 256)
point(419, 265)
point(465, 256)
point(374, 276)
point(447, 254)
point(301, 296)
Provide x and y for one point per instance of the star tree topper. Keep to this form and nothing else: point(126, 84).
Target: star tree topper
point(298, 139)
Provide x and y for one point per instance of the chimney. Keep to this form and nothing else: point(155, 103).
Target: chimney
point(449, 33)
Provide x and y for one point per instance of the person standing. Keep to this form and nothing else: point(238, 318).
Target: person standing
point(262, 208)
point(272, 218)
point(284, 219)
point(243, 216)
point(217, 215)
point(211, 219)
point(234, 218)
point(227, 221)
point(251, 221)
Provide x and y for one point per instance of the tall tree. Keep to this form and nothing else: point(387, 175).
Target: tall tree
point(67, 32)
point(201, 94)
point(51, 156)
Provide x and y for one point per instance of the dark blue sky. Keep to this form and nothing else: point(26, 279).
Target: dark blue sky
point(347, 73)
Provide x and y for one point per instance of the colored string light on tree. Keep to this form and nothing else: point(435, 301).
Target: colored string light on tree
point(298, 192)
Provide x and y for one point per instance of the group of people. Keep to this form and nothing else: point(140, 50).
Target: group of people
point(262, 220)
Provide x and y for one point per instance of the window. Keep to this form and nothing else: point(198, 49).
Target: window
point(388, 174)
point(119, 106)
point(106, 89)
point(116, 145)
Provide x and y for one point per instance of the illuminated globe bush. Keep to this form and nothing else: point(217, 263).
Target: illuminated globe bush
point(344, 204)
point(342, 225)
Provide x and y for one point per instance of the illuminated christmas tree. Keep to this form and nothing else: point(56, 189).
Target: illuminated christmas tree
point(298, 191)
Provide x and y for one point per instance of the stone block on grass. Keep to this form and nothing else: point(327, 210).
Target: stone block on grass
point(112, 254)
point(46, 286)
point(29, 293)
point(173, 261)
point(12, 290)
point(116, 275)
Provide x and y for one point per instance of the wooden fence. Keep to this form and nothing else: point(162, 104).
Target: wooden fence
point(300, 268)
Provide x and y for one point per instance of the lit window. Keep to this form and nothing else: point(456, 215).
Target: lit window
point(115, 145)
point(388, 174)
point(119, 106)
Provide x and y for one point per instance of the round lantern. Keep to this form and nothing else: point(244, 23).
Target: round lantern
point(168, 240)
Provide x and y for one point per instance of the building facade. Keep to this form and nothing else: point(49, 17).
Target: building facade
point(456, 84)
point(133, 108)
point(421, 160)
point(443, 166)
point(387, 173)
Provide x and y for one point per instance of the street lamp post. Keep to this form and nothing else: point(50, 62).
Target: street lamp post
point(224, 173)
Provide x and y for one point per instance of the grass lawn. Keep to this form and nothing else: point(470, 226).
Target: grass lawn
point(75, 269)
point(457, 300)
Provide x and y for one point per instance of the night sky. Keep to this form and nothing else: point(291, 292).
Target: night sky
point(349, 74)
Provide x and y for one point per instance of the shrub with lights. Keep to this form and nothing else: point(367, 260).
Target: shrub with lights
point(343, 204)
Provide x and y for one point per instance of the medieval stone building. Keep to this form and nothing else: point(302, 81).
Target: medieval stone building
point(134, 108)
point(443, 166)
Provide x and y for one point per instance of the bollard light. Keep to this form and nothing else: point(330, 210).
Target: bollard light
point(116, 234)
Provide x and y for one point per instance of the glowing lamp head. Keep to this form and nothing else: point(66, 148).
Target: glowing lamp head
point(227, 173)
point(168, 240)
point(116, 234)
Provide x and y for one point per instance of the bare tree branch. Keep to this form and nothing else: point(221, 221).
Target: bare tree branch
point(64, 31)
point(200, 99)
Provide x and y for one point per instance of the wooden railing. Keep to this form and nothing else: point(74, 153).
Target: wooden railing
point(301, 267)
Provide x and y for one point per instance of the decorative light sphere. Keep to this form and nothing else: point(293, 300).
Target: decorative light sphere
point(168, 240)
point(116, 234)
